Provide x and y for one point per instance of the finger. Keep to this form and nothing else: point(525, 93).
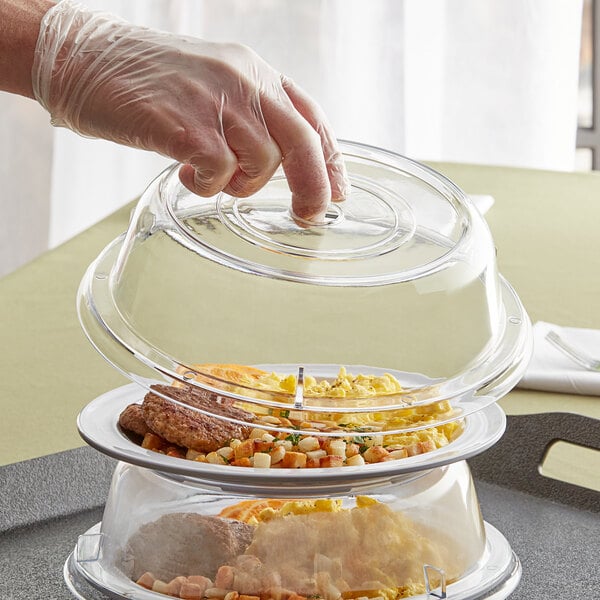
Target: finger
point(302, 158)
point(257, 154)
point(210, 169)
point(312, 112)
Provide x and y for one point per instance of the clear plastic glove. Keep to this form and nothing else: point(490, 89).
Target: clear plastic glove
point(218, 108)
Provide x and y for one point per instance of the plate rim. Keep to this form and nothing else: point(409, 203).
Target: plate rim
point(97, 425)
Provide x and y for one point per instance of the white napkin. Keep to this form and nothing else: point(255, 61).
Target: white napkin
point(552, 371)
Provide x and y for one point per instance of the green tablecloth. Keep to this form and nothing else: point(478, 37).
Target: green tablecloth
point(545, 226)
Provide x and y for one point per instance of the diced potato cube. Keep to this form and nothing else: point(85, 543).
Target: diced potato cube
point(192, 454)
point(162, 587)
point(316, 454)
point(271, 420)
point(216, 593)
point(396, 454)
point(277, 454)
point(226, 452)
point(191, 591)
point(225, 576)
point(146, 580)
point(215, 459)
point(245, 449)
point(200, 580)
point(234, 443)
point(287, 444)
point(262, 460)
point(355, 461)
point(337, 448)
point(241, 462)
point(175, 451)
point(308, 443)
point(152, 441)
point(294, 460)
point(352, 449)
point(332, 460)
point(233, 595)
point(375, 454)
point(174, 586)
point(261, 445)
point(267, 437)
point(257, 433)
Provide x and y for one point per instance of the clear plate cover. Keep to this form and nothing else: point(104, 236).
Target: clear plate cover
point(397, 539)
point(398, 283)
point(369, 334)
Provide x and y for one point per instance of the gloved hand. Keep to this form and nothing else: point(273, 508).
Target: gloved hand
point(218, 108)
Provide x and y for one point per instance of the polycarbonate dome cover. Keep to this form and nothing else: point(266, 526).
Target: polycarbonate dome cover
point(396, 537)
point(400, 278)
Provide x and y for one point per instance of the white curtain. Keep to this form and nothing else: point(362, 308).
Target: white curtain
point(479, 81)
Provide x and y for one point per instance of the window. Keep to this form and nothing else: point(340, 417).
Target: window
point(588, 130)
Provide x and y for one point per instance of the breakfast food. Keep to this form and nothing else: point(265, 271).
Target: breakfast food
point(344, 385)
point(190, 428)
point(301, 549)
point(248, 511)
point(132, 419)
point(182, 544)
point(255, 436)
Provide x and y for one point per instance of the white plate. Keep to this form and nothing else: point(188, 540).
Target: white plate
point(98, 426)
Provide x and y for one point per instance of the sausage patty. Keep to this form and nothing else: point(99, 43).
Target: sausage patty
point(132, 419)
point(185, 544)
point(189, 428)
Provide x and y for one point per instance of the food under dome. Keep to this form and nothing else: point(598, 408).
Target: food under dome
point(400, 279)
point(419, 535)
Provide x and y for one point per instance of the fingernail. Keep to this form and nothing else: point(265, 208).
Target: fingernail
point(342, 192)
point(341, 188)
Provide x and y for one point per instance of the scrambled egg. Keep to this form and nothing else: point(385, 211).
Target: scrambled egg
point(348, 386)
point(368, 550)
point(257, 511)
point(344, 386)
point(298, 507)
